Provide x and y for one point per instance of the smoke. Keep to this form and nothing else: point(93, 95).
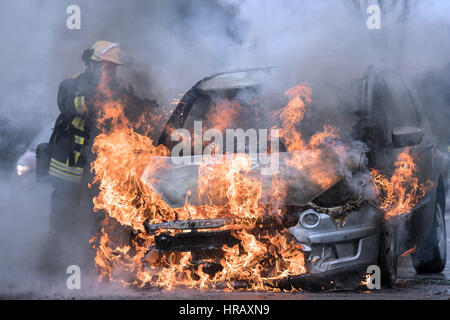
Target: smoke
point(174, 44)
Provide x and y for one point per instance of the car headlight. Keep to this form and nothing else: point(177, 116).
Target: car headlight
point(22, 169)
point(309, 219)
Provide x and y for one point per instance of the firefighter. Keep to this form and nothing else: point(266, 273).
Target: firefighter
point(67, 157)
point(69, 150)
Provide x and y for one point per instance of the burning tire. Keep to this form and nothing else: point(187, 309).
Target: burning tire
point(431, 254)
point(387, 257)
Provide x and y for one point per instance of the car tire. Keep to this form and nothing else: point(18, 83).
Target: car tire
point(431, 254)
point(387, 257)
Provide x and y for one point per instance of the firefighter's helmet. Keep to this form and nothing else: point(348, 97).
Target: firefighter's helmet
point(106, 51)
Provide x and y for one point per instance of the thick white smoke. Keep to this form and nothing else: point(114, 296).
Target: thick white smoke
point(174, 44)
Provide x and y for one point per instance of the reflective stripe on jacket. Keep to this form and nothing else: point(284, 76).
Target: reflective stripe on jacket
point(67, 161)
point(70, 133)
point(64, 171)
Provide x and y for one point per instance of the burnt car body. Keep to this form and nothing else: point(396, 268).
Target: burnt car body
point(387, 116)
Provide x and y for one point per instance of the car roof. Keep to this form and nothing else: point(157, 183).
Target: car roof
point(234, 79)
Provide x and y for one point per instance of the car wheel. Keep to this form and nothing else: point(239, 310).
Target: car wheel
point(431, 255)
point(387, 257)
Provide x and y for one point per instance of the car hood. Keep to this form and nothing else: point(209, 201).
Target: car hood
point(175, 182)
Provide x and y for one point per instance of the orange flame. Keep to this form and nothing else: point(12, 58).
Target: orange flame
point(408, 252)
point(122, 157)
point(223, 114)
point(402, 192)
point(229, 189)
point(316, 163)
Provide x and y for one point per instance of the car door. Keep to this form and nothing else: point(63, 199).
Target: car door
point(409, 107)
point(408, 112)
point(392, 104)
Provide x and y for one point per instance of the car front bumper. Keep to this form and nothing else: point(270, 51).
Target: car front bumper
point(332, 248)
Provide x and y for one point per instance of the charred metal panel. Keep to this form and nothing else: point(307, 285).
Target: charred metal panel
point(194, 241)
point(186, 224)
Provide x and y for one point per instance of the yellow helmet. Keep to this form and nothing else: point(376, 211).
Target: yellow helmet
point(106, 51)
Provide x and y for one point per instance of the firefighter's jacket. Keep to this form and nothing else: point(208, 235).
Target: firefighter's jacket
point(75, 127)
point(70, 134)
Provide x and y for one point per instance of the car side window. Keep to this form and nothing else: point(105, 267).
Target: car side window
point(379, 126)
point(404, 112)
point(198, 111)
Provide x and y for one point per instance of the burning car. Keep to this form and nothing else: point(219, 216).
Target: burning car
point(327, 192)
